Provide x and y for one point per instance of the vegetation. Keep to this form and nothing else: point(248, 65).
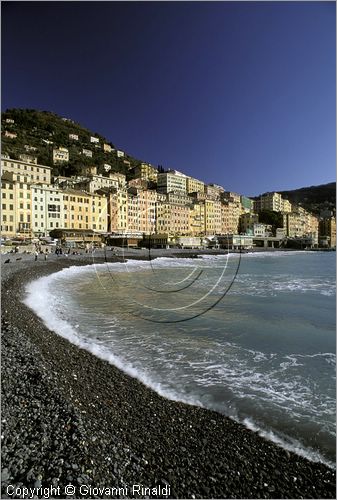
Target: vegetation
point(313, 198)
point(275, 219)
point(44, 131)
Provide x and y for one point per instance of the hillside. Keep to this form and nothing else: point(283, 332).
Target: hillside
point(38, 132)
point(313, 198)
point(42, 131)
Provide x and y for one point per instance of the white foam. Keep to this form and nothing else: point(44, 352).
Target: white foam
point(41, 301)
point(292, 445)
point(47, 306)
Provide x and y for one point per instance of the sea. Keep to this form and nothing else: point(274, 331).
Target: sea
point(252, 336)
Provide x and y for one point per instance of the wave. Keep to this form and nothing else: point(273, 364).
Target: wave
point(288, 444)
point(42, 302)
point(47, 305)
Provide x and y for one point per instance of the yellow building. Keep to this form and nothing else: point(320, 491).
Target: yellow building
point(197, 219)
point(286, 206)
point(194, 185)
point(269, 201)
point(301, 223)
point(118, 210)
point(16, 206)
point(32, 173)
point(231, 196)
point(209, 228)
point(230, 217)
point(247, 221)
point(213, 191)
point(172, 218)
point(85, 211)
point(9, 224)
point(327, 232)
point(178, 198)
point(146, 172)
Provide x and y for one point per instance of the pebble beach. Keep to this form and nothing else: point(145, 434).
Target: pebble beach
point(69, 418)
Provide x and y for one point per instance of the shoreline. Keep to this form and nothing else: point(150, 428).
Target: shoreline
point(71, 418)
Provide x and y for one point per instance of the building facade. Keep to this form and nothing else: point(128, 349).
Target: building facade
point(169, 181)
point(60, 155)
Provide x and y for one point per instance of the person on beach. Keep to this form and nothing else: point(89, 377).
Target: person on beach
point(36, 253)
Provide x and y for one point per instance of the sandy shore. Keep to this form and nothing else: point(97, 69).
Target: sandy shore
point(71, 418)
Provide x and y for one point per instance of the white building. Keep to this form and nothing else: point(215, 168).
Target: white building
point(47, 209)
point(28, 159)
point(120, 154)
point(94, 140)
point(171, 181)
point(259, 230)
point(73, 136)
point(87, 153)
point(60, 155)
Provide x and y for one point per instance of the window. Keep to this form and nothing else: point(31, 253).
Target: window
point(4, 218)
point(11, 207)
point(53, 208)
point(4, 195)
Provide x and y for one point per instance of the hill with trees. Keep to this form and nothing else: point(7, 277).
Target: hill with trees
point(313, 198)
point(39, 132)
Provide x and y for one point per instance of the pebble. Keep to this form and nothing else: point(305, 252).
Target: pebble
point(55, 390)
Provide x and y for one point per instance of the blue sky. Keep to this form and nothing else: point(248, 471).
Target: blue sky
point(242, 94)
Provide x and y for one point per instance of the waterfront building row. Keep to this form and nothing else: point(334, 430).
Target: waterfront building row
point(32, 206)
point(32, 210)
